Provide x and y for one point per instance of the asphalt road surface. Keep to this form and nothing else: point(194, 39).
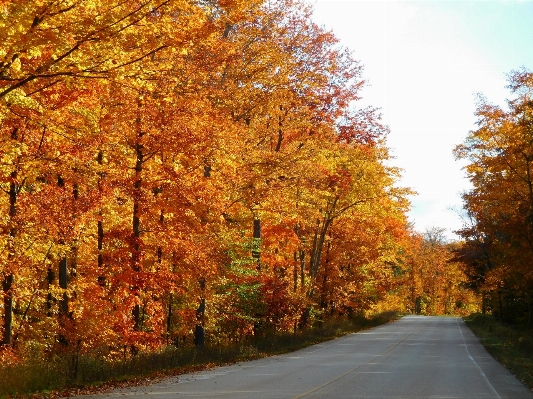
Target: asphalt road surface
point(415, 357)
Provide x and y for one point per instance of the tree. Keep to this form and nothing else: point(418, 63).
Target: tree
point(501, 202)
point(175, 165)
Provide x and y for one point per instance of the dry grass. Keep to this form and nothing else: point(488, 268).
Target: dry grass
point(511, 345)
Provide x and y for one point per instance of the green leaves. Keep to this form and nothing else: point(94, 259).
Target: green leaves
point(145, 138)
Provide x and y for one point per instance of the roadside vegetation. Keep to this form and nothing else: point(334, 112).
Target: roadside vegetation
point(510, 344)
point(61, 375)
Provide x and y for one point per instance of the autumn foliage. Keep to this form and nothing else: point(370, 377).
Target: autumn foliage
point(498, 226)
point(171, 167)
point(430, 279)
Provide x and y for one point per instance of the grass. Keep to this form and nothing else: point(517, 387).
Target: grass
point(50, 377)
point(511, 345)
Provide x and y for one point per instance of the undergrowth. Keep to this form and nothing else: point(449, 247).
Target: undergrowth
point(510, 344)
point(48, 377)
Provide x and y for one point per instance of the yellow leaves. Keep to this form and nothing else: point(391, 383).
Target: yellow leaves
point(19, 27)
point(499, 204)
point(11, 154)
point(18, 97)
point(191, 143)
point(16, 65)
point(34, 52)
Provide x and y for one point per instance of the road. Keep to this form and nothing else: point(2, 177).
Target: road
point(415, 357)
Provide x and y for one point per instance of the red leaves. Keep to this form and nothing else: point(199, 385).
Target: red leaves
point(149, 141)
point(362, 127)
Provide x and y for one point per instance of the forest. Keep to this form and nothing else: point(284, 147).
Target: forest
point(178, 172)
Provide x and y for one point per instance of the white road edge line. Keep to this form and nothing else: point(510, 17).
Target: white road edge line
point(477, 365)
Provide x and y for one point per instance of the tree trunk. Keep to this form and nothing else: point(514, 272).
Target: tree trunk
point(318, 245)
point(299, 261)
point(280, 131)
point(7, 285)
point(324, 293)
point(256, 244)
point(169, 318)
point(159, 253)
point(63, 302)
point(101, 277)
point(63, 283)
point(295, 272)
point(9, 278)
point(136, 222)
point(50, 277)
point(302, 269)
point(199, 332)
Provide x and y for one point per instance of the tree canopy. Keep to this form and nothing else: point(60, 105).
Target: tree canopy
point(171, 167)
point(499, 208)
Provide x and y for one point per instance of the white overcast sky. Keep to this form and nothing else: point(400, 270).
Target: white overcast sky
point(424, 61)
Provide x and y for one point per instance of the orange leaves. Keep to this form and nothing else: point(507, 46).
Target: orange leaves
point(499, 207)
point(8, 357)
point(148, 138)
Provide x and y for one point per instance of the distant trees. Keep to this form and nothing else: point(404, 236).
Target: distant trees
point(439, 279)
point(430, 279)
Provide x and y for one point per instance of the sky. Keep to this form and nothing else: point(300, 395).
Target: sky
point(424, 61)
